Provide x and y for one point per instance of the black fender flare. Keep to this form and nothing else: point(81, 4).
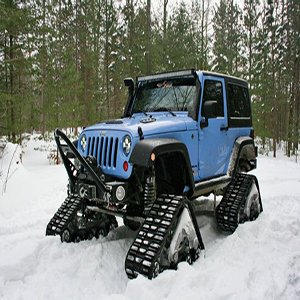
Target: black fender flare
point(146, 151)
point(243, 148)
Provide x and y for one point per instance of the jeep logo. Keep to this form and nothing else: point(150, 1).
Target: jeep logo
point(102, 133)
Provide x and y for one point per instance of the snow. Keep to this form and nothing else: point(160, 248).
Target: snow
point(261, 260)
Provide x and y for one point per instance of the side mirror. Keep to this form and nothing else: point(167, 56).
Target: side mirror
point(209, 109)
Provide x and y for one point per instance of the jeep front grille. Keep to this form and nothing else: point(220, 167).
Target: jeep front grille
point(104, 149)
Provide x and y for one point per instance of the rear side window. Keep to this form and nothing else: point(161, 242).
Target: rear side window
point(238, 105)
point(238, 101)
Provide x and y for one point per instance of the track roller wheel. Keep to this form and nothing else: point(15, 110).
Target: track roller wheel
point(155, 270)
point(78, 239)
point(254, 211)
point(189, 258)
point(112, 226)
point(66, 236)
point(252, 207)
point(90, 236)
point(102, 232)
point(193, 255)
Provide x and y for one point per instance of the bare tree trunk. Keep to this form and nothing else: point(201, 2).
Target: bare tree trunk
point(148, 58)
point(43, 71)
point(274, 95)
point(12, 108)
point(77, 57)
point(165, 20)
point(6, 83)
point(85, 62)
point(290, 122)
point(250, 51)
point(297, 104)
point(130, 8)
point(202, 35)
point(106, 62)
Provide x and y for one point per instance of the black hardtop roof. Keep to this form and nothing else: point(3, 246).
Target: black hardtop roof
point(227, 77)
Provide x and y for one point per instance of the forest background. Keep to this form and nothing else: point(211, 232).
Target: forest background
point(62, 62)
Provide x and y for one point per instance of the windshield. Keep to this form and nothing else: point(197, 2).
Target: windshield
point(165, 95)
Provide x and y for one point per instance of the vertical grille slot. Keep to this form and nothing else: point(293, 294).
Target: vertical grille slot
point(92, 148)
point(116, 152)
point(88, 146)
point(105, 151)
point(100, 152)
point(96, 148)
point(110, 151)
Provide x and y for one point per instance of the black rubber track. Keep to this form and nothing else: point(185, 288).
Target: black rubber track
point(228, 211)
point(63, 216)
point(145, 251)
point(90, 226)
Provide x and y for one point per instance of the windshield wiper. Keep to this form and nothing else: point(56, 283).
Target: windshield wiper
point(141, 111)
point(166, 109)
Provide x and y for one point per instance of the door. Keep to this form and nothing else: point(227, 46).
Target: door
point(213, 137)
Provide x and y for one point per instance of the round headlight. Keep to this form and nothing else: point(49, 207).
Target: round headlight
point(83, 142)
point(126, 144)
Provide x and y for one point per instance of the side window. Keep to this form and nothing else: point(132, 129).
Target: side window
point(238, 101)
point(213, 93)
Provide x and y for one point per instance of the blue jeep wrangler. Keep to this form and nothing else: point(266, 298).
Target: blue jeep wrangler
point(183, 135)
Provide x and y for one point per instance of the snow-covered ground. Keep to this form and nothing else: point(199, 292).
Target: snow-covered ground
point(261, 260)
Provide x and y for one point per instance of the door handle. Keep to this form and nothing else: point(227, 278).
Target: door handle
point(223, 128)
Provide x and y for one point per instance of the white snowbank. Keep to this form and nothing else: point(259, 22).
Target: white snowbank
point(261, 260)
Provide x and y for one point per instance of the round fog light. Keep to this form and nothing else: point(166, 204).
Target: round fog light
point(120, 193)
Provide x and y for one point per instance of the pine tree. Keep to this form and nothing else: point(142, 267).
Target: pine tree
point(13, 66)
point(227, 38)
point(293, 73)
point(251, 20)
point(180, 43)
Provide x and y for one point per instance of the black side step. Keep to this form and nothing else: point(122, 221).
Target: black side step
point(208, 186)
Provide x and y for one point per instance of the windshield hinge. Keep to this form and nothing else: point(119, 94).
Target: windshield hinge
point(140, 132)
